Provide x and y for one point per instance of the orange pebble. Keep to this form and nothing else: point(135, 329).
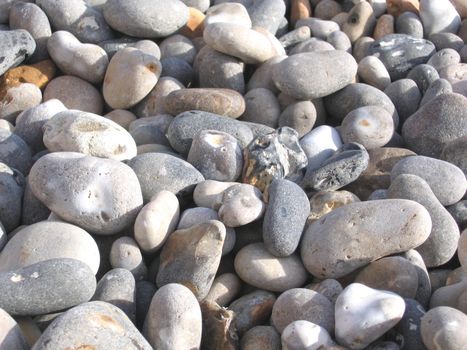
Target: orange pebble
point(299, 9)
point(396, 7)
point(195, 25)
point(384, 26)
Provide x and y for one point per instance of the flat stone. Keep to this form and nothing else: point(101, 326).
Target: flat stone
point(364, 314)
point(46, 286)
point(408, 328)
point(285, 217)
point(94, 324)
point(302, 304)
point(401, 52)
point(401, 224)
point(159, 171)
point(279, 275)
point(198, 251)
point(435, 124)
point(298, 75)
point(146, 19)
point(100, 195)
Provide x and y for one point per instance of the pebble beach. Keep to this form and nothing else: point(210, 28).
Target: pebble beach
point(233, 175)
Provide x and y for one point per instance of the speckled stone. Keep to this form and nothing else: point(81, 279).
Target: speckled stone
point(298, 75)
point(436, 88)
point(402, 224)
point(389, 49)
point(441, 245)
point(340, 169)
point(104, 200)
point(285, 217)
point(14, 152)
point(435, 124)
point(16, 46)
point(46, 286)
point(158, 171)
point(302, 304)
point(95, 324)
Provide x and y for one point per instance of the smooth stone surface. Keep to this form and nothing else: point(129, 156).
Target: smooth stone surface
point(319, 27)
point(442, 327)
point(400, 276)
point(122, 117)
point(439, 16)
point(117, 287)
point(298, 75)
point(86, 61)
point(126, 254)
point(186, 125)
point(435, 124)
point(156, 221)
point(88, 133)
point(360, 21)
point(158, 171)
point(405, 95)
point(192, 256)
point(363, 314)
point(300, 116)
point(400, 224)
point(319, 144)
point(261, 338)
point(424, 289)
point(370, 126)
point(462, 251)
point(13, 186)
point(459, 213)
point(217, 155)
point(267, 14)
point(449, 295)
point(77, 17)
point(341, 103)
point(95, 324)
point(219, 101)
point(423, 75)
point(324, 202)
point(179, 69)
point(230, 12)
point(15, 47)
point(29, 16)
point(29, 123)
point(240, 205)
point(401, 52)
point(17, 99)
point(303, 334)
point(261, 106)
point(340, 169)
point(11, 333)
point(100, 195)
point(178, 46)
point(224, 289)
point(146, 19)
point(409, 23)
point(151, 130)
point(447, 181)
point(441, 245)
point(130, 76)
point(302, 304)
point(75, 93)
point(330, 288)
point(32, 244)
point(46, 286)
point(209, 193)
point(438, 87)
point(285, 217)
point(278, 275)
point(373, 72)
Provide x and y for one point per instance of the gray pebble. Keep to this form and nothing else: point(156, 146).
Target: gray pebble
point(46, 287)
point(15, 47)
point(330, 288)
point(360, 47)
point(262, 76)
point(300, 116)
point(144, 293)
point(285, 217)
point(178, 46)
point(97, 324)
point(441, 245)
point(424, 285)
point(444, 58)
point(113, 45)
point(454, 153)
point(409, 23)
point(267, 14)
point(459, 213)
point(186, 125)
point(435, 124)
point(126, 254)
point(339, 40)
point(436, 88)
point(408, 328)
point(14, 152)
point(446, 40)
point(319, 27)
point(261, 107)
point(261, 338)
point(13, 184)
point(177, 68)
point(117, 287)
point(295, 36)
point(151, 130)
point(83, 21)
point(311, 45)
point(423, 75)
point(158, 171)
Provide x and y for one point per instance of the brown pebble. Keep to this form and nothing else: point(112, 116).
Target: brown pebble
point(384, 26)
point(396, 7)
point(299, 9)
point(195, 25)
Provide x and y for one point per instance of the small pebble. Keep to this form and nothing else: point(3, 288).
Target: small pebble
point(303, 334)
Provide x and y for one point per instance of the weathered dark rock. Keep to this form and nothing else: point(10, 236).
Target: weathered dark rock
point(218, 330)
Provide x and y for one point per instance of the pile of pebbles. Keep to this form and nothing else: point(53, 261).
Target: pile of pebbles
point(252, 174)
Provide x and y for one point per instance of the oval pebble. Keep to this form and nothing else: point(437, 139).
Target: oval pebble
point(303, 334)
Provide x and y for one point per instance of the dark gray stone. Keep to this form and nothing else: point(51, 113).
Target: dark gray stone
point(455, 152)
point(97, 325)
point(343, 167)
point(423, 75)
point(409, 23)
point(117, 287)
point(424, 290)
point(14, 152)
point(300, 116)
point(15, 47)
point(267, 14)
point(405, 95)
point(179, 69)
point(441, 245)
point(459, 213)
point(285, 217)
point(159, 171)
point(146, 18)
point(435, 124)
point(341, 103)
point(407, 331)
point(186, 125)
point(45, 287)
point(401, 52)
point(12, 184)
point(276, 155)
point(446, 41)
point(145, 290)
point(436, 88)
point(151, 130)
